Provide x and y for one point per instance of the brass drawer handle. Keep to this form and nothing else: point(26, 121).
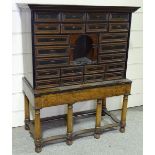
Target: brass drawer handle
point(52, 39)
point(119, 26)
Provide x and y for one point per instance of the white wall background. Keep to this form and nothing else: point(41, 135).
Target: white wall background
point(21, 30)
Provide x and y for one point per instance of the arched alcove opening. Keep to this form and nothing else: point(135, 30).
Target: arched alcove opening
point(84, 52)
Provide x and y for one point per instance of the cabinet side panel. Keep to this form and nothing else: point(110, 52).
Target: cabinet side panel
point(27, 43)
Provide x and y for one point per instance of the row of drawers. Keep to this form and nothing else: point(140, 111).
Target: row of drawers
point(65, 61)
point(79, 70)
point(59, 51)
point(72, 39)
point(73, 80)
point(79, 16)
point(79, 28)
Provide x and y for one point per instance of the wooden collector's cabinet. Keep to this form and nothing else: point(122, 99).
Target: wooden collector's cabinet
point(78, 48)
point(74, 45)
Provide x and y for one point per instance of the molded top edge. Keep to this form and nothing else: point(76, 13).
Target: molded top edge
point(84, 7)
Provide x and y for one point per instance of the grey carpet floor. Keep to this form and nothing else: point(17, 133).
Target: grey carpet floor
point(110, 143)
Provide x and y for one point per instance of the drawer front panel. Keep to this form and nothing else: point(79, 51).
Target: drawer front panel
point(73, 17)
point(47, 83)
point(72, 28)
point(47, 73)
point(97, 16)
point(118, 27)
point(113, 47)
point(72, 71)
point(114, 75)
point(105, 58)
point(119, 17)
point(94, 78)
point(47, 16)
point(52, 62)
point(51, 51)
point(96, 27)
point(51, 40)
point(115, 66)
point(71, 80)
point(46, 28)
point(74, 38)
point(90, 69)
point(113, 37)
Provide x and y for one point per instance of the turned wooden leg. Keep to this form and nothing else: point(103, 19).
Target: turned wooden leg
point(37, 131)
point(27, 112)
point(69, 124)
point(103, 106)
point(98, 118)
point(123, 114)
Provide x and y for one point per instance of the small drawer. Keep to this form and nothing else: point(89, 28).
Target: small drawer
point(119, 17)
point(113, 37)
point(105, 58)
point(46, 28)
point(94, 78)
point(51, 39)
point(72, 28)
point(118, 27)
point(68, 71)
point(47, 73)
point(100, 27)
point(73, 17)
point(50, 83)
point(90, 69)
point(97, 16)
point(51, 51)
point(92, 37)
point(114, 75)
point(71, 80)
point(115, 66)
point(47, 16)
point(113, 47)
point(52, 62)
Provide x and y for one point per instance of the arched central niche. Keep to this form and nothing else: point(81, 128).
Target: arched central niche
point(84, 52)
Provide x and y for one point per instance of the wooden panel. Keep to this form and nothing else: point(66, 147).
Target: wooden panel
point(51, 51)
point(97, 27)
point(118, 27)
point(72, 28)
point(113, 37)
point(51, 39)
point(47, 73)
point(71, 80)
point(82, 95)
point(69, 71)
point(47, 16)
point(50, 83)
point(46, 28)
point(52, 62)
point(105, 58)
point(113, 47)
point(97, 16)
point(90, 69)
point(73, 17)
point(119, 17)
point(114, 75)
point(115, 66)
point(94, 78)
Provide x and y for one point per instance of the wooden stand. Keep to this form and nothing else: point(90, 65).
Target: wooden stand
point(36, 100)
